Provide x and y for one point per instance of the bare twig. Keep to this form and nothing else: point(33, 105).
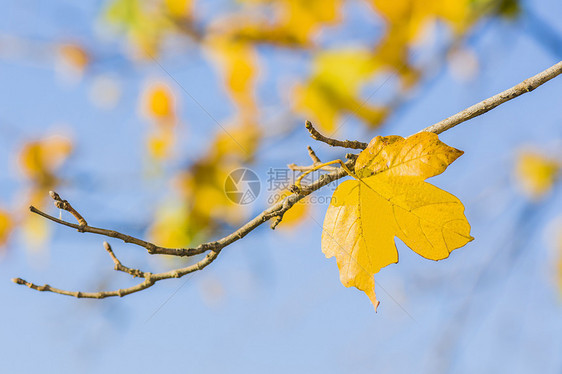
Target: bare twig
point(152, 248)
point(215, 247)
point(149, 280)
point(301, 168)
point(277, 210)
point(136, 273)
point(65, 205)
point(484, 106)
point(315, 162)
point(314, 158)
point(315, 134)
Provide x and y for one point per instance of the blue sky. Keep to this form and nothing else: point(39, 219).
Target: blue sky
point(272, 302)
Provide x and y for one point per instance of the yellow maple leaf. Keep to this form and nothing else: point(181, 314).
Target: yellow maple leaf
point(392, 199)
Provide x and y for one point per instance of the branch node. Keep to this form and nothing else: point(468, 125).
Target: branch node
point(277, 220)
point(148, 278)
point(151, 248)
point(294, 189)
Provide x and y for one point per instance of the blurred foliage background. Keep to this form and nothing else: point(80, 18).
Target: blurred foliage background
point(136, 111)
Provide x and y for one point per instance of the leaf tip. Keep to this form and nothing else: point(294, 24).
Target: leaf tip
point(373, 298)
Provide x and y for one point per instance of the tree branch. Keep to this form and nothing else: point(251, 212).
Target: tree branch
point(215, 247)
point(149, 278)
point(315, 134)
point(277, 210)
point(136, 273)
point(152, 248)
point(484, 106)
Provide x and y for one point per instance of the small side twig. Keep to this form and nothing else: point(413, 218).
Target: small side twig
point(315, 162)
point(149, 280)
point(316, 135)
point(312, 154)
point(136, 273)
point(302, 168)
point(276, 221)
point(65, 205)
point(151, 248)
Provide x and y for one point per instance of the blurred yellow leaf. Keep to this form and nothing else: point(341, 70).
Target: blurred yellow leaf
point(239, 142)
point(159, 144)
point(412, 15)
point(392, 200)
point(536, 173)
point(171, 227)
point(179, 8)
point(290, 23)
point(334, 88)
point(158, 101)
point(203, 188)
point(74, 56)
point(505, 8)
point(239, 66)
point(302, 18)
point(39, 159)
point(6, 226)
point(407, 21)
point(36, 230)
point(144, 22)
